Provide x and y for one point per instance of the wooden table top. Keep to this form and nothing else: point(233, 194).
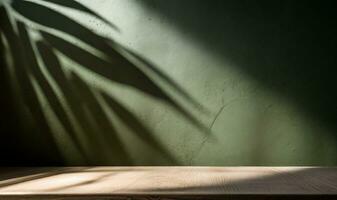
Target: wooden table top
point(174, 181)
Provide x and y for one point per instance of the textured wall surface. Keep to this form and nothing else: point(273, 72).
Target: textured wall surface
point(262, 74)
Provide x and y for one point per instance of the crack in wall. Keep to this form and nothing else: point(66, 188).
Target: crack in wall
point(206, 138)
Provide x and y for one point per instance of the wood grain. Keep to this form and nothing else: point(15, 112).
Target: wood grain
point(169, 183)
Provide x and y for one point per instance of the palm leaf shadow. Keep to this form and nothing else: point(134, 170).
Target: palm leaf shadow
point(27, 93)
point(80, 99)
point(60, 22)
point(53, 65)
point(77, 6)
point(101, 123)
point(77, 92)
point(51, 96)
point(121, 71)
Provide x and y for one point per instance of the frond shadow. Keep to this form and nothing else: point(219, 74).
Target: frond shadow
point(80, 97)
point(27, 93)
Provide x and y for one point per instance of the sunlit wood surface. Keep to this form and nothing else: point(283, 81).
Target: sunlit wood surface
point(168, 182)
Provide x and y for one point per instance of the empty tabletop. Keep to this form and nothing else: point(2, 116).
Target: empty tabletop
point(168, 182)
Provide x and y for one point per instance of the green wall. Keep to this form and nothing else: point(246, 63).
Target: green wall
point(257, 83)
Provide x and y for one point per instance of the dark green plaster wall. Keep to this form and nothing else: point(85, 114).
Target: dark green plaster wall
point(260, 76)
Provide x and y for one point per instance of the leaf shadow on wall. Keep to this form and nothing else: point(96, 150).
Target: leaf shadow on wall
point(81, 98)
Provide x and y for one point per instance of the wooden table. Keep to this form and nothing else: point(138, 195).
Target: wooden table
point(169, 183)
